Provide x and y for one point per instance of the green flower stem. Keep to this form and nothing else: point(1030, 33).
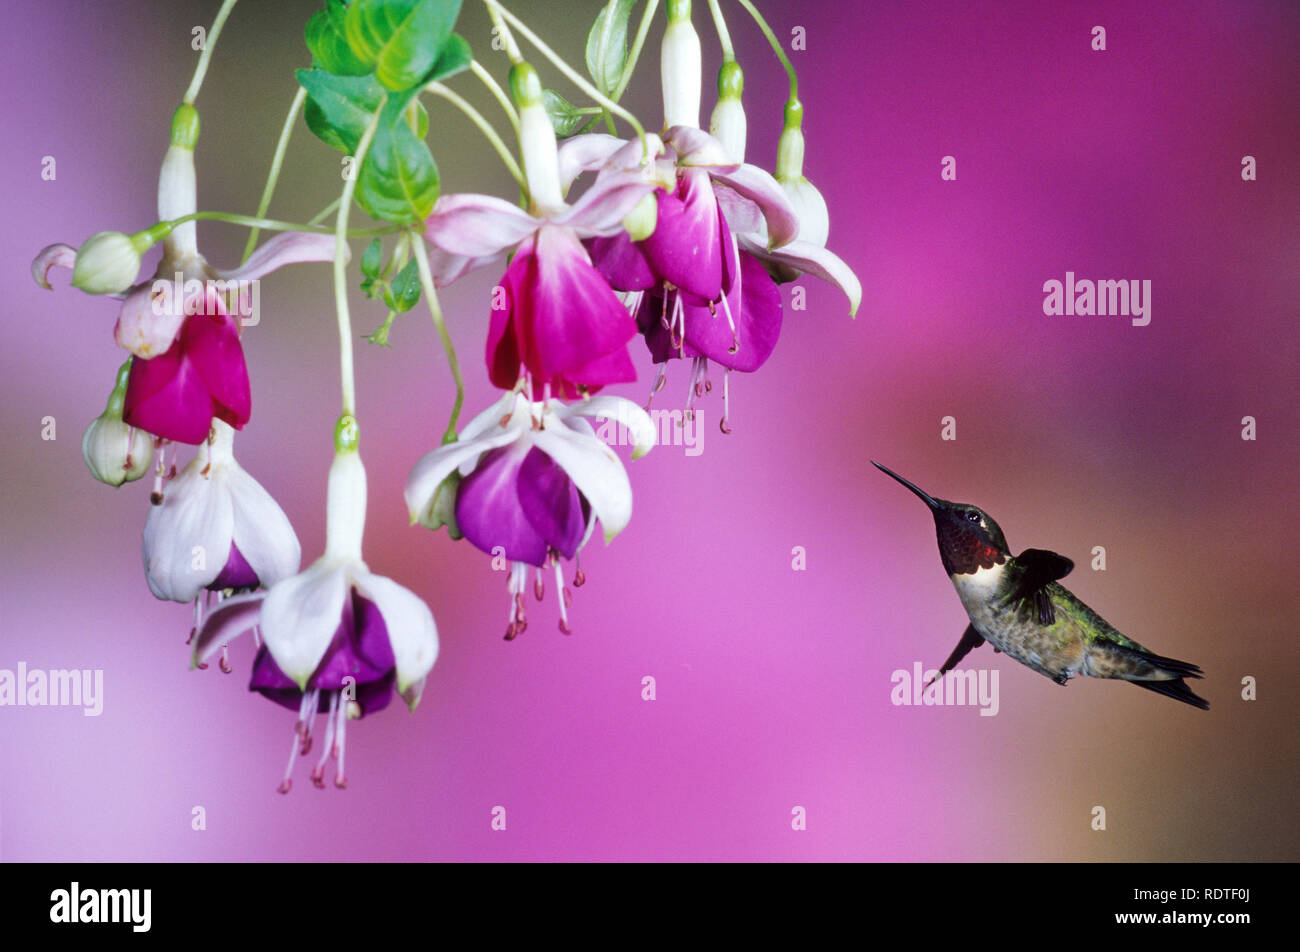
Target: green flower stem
point(324, 213)
point(340, 266)
point(210, 43)
point(485, 127)
point(276, 162)
point(573, 75)
point(724, 38)
point(435, 311)
point(776, 47)
point(647, 17)
point(512, 48)
point(497, 92)
point(271, 224)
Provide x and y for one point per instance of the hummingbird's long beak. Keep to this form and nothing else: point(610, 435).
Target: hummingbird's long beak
point(925, 497)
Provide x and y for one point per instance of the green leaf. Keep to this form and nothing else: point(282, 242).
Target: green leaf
point(339, 108)
point(404, 292)
point(565, 117)
point(607, 44)
point(372, 259)
point(328, 41)
point(454, 58)
point(398, 181)
point(400, 39)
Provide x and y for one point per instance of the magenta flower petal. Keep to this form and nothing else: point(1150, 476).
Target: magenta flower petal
point(166, 397)
point(563, 313)
point(211, 343)
point(489, 513)
point(685, 248)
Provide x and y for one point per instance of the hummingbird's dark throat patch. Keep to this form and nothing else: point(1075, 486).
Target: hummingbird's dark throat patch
point(964, 551)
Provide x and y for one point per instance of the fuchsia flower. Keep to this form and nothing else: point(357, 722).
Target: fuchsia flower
point(190, 365)
point(336, 638)
point(526, 482)
point(559, 324)
point(694, 293)
point(216, 530)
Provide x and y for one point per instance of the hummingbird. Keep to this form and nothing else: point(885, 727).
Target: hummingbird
point(1017, 604)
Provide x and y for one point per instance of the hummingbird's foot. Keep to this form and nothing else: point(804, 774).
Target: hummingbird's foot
point(1061, 678)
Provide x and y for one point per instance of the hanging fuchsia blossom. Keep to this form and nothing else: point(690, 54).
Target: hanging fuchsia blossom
point(216, 530)
point(556, 321)
point(190, 365)
point(526, 482)
point(337, 638)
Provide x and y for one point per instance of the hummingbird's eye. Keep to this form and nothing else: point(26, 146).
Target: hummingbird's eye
point(972, 515)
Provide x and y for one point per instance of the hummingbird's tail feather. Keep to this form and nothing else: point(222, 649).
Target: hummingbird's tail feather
point(1108, 659)
point(1176, 689)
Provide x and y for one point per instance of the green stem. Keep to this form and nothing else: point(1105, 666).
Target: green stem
point(500, 94)
point(724, 37)
point(647, 17)
point(776, 47)
point(435, 311)
point(340, 266)
point(512, 48)
point(204, 57)
point(485, 127)
point(271, 224)
point(276, 162)
point(573, 75)
point(324, 213)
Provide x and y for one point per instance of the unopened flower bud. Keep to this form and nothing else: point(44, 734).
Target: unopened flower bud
point(640, 222)
point(116, 453)
point(107, 263)
point(680, 68)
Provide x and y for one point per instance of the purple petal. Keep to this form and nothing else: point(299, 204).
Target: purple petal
point(551, 503)
point(236, 573)
point(622, 262)
point(360, 650)
point(489, 513)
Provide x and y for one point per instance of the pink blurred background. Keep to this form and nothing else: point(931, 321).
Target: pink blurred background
point(773, 685)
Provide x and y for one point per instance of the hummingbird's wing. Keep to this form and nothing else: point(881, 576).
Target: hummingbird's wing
point(970, 639)
point(1039, 568)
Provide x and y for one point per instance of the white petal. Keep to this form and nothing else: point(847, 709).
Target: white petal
point(411, 628)
point(600, 211)
point(435, 466)
point(288, 247)
point(261, 529)
point(696, 147)
point(625, 412)
point(484, 421)
point(585, 153)
point(301, 614)
point(52, 256)
point(187, 538)
point(810, 259)
point(477, 225)
point(234, 617)
point(761, 188)
point(595, 470)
